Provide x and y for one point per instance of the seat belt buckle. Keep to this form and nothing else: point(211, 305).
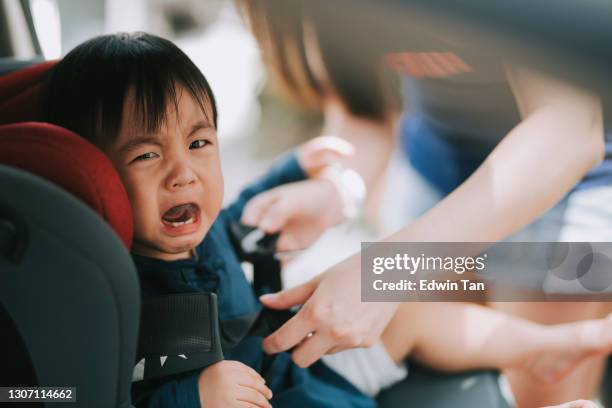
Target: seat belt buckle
point(252, 241)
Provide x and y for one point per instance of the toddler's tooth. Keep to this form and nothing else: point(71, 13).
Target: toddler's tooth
point(178, 224)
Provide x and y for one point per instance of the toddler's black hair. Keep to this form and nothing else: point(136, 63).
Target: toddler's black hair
point(86, 91)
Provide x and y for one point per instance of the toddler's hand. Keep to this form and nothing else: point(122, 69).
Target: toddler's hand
point(232, 384)
point(301, 211)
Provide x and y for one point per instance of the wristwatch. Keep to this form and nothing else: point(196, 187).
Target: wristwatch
point(351, 187)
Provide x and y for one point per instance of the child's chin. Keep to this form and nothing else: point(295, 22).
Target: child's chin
point(174, 251)
point(187, 243)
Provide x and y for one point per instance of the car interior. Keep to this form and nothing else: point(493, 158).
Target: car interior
point(70, 310)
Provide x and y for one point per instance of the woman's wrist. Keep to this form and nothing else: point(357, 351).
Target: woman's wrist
point(351, 189)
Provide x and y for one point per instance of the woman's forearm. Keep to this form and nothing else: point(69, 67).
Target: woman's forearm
point(526, 174)
point(373, 141)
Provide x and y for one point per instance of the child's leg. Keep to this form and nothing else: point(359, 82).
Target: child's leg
point(460, 336)
point(584, 380)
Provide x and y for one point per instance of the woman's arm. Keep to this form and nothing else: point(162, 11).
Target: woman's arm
point(558, 141)
point(537, 163)
point(373, 140)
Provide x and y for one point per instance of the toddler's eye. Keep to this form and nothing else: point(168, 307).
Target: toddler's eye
point(198, 144)
point(146, 156)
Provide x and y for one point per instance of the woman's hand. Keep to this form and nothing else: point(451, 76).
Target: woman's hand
point(323, 151)
point(332, 318)
point(302, 211)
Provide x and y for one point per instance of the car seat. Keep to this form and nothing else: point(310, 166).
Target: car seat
point(69, 296)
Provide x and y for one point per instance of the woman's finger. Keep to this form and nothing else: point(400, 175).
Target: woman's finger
point(308, 351)
point(285, 299)
point(336, 349)
point(290, 334)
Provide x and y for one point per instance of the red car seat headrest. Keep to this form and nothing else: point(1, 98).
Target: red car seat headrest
point(21, 93)
point(68, 160)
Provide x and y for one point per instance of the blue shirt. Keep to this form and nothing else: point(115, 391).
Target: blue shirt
point(217, 268)
point(453, 123)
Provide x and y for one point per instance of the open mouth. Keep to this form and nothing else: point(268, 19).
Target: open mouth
point(183, 214)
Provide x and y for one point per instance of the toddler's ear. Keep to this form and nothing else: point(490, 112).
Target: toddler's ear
point(321, 152)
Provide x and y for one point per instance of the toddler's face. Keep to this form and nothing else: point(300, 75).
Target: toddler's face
point(173, 178)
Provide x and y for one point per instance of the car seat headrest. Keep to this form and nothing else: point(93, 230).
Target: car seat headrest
point(21, 93)
point(74, 164)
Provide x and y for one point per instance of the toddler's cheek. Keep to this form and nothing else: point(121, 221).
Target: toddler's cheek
point(212, 207)
point(143, 224)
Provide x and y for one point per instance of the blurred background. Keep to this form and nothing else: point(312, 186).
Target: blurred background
point(257, 123)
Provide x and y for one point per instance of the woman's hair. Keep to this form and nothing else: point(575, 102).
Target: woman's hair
point(353, 75)
point(86, 91)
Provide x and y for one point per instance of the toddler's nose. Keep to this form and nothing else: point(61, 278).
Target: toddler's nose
point(181, 176)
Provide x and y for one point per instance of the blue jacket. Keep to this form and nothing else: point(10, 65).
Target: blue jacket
point(217, 268)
